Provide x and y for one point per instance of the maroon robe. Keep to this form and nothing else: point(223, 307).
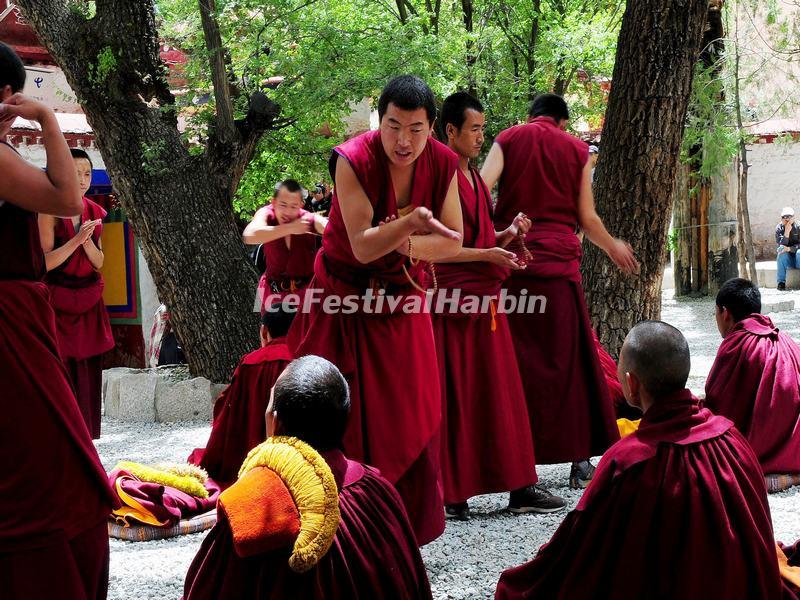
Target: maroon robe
point(486, 446)
point(677, 509)
point(288, 270)
point(571, 415)
point(82, 324)
point(755, 382)
point(167, 504)
point(239, 413)
point(387, 358)
point(374, 552)
point(54, 497)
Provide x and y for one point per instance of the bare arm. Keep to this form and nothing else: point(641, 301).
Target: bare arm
point(320, 223)
point(592, 226)
point(521, 224)
point(55, 191)
point(372, 242)
point(94, 253)
point(434, 247)
point(258, 232)
point(54, 257)
point(493, 167)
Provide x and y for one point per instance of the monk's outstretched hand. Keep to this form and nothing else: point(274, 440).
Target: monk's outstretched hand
point(502, 257)
point(621, 253)
point(424, 222)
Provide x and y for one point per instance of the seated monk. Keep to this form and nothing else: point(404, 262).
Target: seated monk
point(677, 509)
point(755, 379)
point(238, 424)
point(285, 532)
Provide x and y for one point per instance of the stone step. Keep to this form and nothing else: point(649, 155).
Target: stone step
point(157, 395)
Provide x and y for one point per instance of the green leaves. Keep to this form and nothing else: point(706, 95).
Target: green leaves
point(319, 58)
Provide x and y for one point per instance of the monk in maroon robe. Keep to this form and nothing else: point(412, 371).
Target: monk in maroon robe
point(54, 498)
point(544, 173)
point(486, 446)
point(391, 186)
point(755, 379)
point(289, 238)
point(374, 552)
point(74, 255)
point(238, 424)
point(677, 509)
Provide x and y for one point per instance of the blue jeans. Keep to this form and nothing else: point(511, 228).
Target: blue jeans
point(785, 261)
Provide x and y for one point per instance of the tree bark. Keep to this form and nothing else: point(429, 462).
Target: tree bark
point(712, 258)
point(658, 47)
point(744, 168)
point(178, 204)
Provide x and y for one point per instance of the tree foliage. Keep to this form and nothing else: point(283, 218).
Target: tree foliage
point(331, 55)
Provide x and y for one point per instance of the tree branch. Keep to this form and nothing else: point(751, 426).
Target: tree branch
point(52, 19)
point(402, 11)
point(225, 126)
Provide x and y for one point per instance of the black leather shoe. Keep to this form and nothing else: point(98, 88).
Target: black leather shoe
point(458, 511)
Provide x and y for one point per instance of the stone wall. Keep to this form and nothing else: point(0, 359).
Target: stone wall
point(162, 395)
point(773, 182)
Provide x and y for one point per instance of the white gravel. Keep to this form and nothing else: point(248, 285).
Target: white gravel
point(467, 560)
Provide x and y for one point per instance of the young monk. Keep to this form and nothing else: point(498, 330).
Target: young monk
point(545, 173)
point(363, 544)
point(238, 424)
point(55, 496)
point(398, 172)
point(289, 238)
point(677, 509)
point(486, 446)
point(73, 254)
point(755, 379)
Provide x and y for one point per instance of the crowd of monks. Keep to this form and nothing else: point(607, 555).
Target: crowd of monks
point(346, 439)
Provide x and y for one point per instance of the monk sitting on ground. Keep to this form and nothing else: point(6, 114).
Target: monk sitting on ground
point(239, 411)
point(303, 521)
point(755, 379)
point(677, 509)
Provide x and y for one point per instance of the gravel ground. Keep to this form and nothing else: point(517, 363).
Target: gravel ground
point(467, 560)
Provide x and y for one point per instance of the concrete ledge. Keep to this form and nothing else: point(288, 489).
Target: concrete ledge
point(783, 306)
point(162, 395)
point(768, 275)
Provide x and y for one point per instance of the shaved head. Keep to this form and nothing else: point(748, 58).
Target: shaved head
point(658, 355)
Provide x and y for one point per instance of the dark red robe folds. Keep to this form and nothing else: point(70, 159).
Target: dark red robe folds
point(165, 503)
point(239, 413)
point(82, 323)
point(677, 509)
point(54, 498)
point(755, 382)
point(374, 553)
point(571, 415)
point(386, 357)
point(288, 270)
point(486, 441)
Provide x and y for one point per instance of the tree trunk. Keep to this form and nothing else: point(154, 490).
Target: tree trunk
point(179, 205)
point(658, 47)
point(750, 254)
point(723, 254)
point(709, 211)
point(682, 224)
point(744, 167)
